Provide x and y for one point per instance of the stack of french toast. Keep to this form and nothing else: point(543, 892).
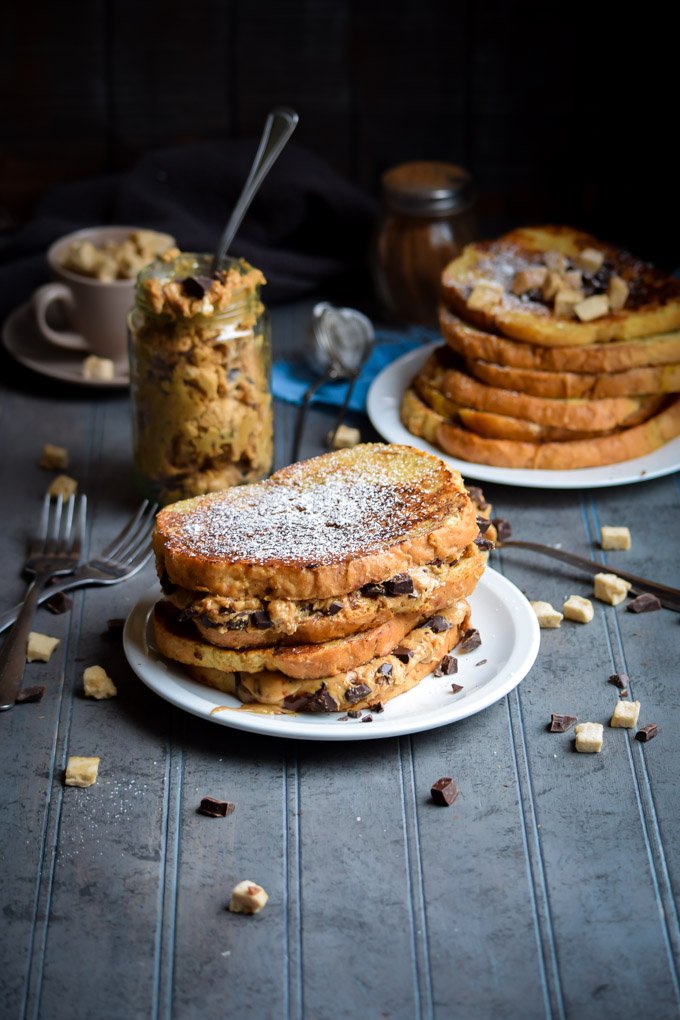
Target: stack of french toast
point(334, 585)
point(561, 352)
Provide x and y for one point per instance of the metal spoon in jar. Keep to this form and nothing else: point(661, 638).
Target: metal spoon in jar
point(339, 342)
point(278, 128)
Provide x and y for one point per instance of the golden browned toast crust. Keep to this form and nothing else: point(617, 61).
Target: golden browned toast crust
point(179, 641)
point(489, 423)
point(613, 356)
point(379, 680)
point(653, 304)
point(424, 589)
point(606, 448)
point(579, 385)
point(318, 528)
point(445, 374)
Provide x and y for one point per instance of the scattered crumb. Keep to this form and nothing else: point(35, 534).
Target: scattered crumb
point(98, 684)
point(610, 589)
point(345, 437)
point(625, 715)
point(578, 609)
point(81, 771)
point(589, 736)
point(54, 457)
point(98, 368)
point(614, 537)
point(39, 647)
point(247, 898)
point(63, 486)
point(548, 618)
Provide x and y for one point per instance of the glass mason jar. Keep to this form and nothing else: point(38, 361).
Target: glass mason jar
point(427, 219)
point(200, 362)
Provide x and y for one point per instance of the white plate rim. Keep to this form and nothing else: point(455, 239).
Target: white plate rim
point(382, 406)
point(168, 680)
point(52, 370)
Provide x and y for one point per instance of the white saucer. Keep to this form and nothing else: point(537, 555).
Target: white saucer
point(24, 341)
point(384, 401)
point(510, 640)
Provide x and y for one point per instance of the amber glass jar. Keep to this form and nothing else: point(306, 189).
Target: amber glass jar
point(199, 373)
point(427, 219)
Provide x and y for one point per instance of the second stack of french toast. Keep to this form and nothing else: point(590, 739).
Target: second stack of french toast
point(561, 352)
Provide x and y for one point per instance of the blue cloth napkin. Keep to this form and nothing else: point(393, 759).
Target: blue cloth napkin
point(291, 379)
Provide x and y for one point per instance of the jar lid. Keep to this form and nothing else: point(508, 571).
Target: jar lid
point(426, 188)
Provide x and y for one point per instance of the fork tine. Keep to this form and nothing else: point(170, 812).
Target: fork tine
point(140, 544)
point(38, 543)
point(129, 530)
point(54, 526)
point(78, 540)
point(66, 526)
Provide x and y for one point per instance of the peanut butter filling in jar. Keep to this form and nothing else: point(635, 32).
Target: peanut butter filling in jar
point(200, 361)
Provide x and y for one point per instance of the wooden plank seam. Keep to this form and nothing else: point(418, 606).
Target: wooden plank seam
point(422, 975)
point(292, 864)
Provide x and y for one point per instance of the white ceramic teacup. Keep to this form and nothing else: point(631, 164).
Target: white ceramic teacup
point(96, 309)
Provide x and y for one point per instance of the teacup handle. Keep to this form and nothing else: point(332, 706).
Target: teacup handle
point(42, 299)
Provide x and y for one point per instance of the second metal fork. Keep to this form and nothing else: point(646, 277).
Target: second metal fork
point(122, 558)
point(55, 550)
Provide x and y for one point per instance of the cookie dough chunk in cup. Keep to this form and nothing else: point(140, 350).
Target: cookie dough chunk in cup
point(199, 370)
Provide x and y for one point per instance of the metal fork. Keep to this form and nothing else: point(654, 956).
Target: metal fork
point(54, 551)
point(121, 559)
point(668, 597)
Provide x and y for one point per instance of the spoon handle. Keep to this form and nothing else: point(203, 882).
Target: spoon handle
point(278, 128)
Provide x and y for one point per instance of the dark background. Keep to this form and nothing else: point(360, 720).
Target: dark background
point(562, 112)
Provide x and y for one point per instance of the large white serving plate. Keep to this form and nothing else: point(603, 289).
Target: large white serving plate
point(510, 640)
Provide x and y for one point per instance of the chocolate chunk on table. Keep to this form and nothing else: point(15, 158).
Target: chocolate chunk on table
point(444, 791)
point(215, 808)
point(561, 723)
point(59, 603)
point(619, 680)
point(645, 603)
point(646, 733)
point(28, 695)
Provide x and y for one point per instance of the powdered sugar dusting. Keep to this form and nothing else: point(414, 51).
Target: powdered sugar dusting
point(342, 512)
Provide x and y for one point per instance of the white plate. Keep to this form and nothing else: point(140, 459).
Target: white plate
point(26, 344)
point(384, 400)
point(510, 639)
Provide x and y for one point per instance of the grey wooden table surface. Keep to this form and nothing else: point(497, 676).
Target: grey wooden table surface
point(549, 889)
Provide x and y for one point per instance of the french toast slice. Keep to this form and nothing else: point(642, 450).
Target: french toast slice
point(319, 528)
point(611, 356)
point(379, 680)
point(652, 304)
point(607, 448)
point(444, 372)
point(178, 641)
point(257, 623)
point(488, 423)
point(648, 379)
